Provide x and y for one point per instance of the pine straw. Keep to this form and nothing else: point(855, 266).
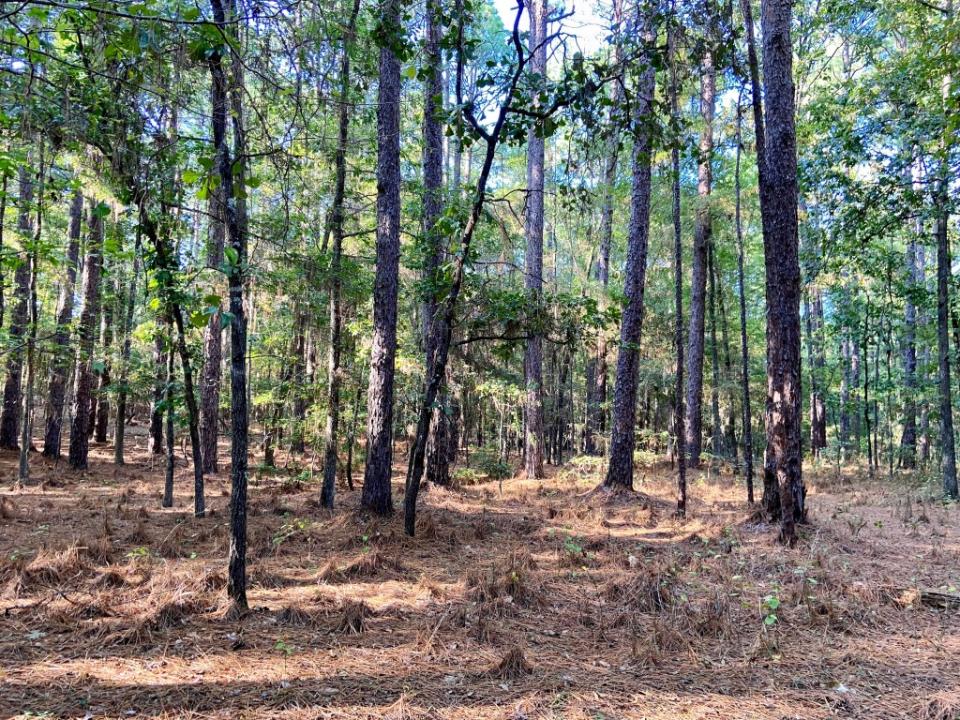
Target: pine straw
point(50, 569)
point(429, 640)
point(513, 580)
point(374, 563)
point(514, 665)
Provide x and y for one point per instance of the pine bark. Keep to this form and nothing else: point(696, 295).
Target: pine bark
point(438, 457)
point(61, 360)
point(120, 426)
point(781, 258)
point(533, 270)
point(744, 348)
point(211, 370)
point(702, 234)
point(622, 439)
point(377, 494)
point(86, 337)
point(102, 416)
point(12, 410)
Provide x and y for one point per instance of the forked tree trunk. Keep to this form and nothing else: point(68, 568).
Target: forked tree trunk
point(377, 495)
point(622, 439)
point(61, 360)
point(155, 441)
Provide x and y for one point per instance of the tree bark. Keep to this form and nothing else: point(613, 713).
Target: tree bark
point(155, 442)
point(12, 388)
point(744, 351)
point(622, 439)
point(596, 416)
point(102, 416)
point(947, 448)
point(61, 358)
point(119, 433)
point(679, 410)
point(702, 233)
point(377, 494)
point(533, 270)
point(781, 258)
point(86, 335)
point(437, 459)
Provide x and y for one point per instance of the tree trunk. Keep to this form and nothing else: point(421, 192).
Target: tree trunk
point(781, 258)
point(596, 415)
point(533, 270)
point(679, 411)
point(102, 418)
point(12, 388)
point(155, 442)
point(119, 432)
point(947, 448)
point(210, 372)
point(168, 401)
point(744, 353)
point(622, 439)
point(702, 234)
point(334, 371)
point(437, 460)
point(717, 435)
point(61, 358)
point(235, 222)
point(86, 335)
point(377, 495)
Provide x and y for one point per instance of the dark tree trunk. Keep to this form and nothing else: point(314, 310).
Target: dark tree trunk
point(702, 234)
point(596, 416)
point(679, 411)
point(781, 258)
point(716, 437)
point(235, 222)
point(334, 371)
point(377, 495)
point(299, 387)
point(119, 433)
point(443, 324)
point(86, 335)
point(622, 439)
point(155, 442)
point(533, 270)
point(3, 214)
point(437, 459)
point(12, 388)
point(102, 418)
point(211, 370)
point(914, 279)
point(744, 353)
point(947, 448)
point(168, 401)
point(61, 360)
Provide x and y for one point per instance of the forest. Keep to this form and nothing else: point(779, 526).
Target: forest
point(444, 359)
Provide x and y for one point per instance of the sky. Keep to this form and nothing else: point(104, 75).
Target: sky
point(587, 27)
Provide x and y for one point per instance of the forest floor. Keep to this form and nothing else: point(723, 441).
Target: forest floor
point(534, 600)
